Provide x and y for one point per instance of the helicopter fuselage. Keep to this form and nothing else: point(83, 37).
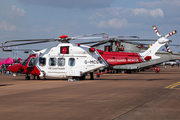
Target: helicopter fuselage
point(68, 60)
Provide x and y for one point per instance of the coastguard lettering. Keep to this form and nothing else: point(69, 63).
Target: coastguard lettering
point(133, 60)
point(122, 60)
point(116, 60)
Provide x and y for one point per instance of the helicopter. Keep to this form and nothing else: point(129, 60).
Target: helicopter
point(130, 45)
point(74, 61)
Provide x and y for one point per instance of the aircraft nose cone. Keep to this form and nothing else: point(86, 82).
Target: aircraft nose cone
point(14, 68)
point(9, 68)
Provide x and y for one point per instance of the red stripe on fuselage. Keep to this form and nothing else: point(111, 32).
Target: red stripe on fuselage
point(120, 58)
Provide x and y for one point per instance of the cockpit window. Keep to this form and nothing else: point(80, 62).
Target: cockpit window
point(42, 61)
point(32, 62)
point(52, 61)
point(25, 62)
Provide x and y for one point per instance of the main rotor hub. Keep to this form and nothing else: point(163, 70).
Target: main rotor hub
point(63, 36)
point(163, 40)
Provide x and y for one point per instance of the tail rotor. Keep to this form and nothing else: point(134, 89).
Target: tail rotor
point(163, 39)
point(156, 31)
point(170, 34)
point(168, 49)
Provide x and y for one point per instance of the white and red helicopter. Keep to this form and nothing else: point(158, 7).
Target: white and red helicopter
point(76, 60)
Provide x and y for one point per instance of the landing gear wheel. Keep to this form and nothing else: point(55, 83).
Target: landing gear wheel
point(27, 78)
point(91, 76)
point(34, 77)
point(38, 78)
point(83, 77)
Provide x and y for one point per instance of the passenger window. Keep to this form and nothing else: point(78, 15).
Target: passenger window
point(61, 61)
point(52, 61)
point(32, 62)
point(71, 62)
point(42, 61)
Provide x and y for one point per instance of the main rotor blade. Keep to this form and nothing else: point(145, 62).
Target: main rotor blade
point(32, 40)
point(173, 45)
point(78, 37)
point(24, 44)
point(58, 39)
point(138, 39)
point(116, 40)
point(123, 37)
point(90, 42)
point(25, 50)
point(100, 43)
point(122, 40)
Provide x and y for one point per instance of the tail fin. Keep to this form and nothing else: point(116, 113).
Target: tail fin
point(155, 47)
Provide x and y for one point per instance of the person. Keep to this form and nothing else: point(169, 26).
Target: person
point(107, 49)
point(3, 68)
point(119, 48)
point(6, 66)
point(178, 63)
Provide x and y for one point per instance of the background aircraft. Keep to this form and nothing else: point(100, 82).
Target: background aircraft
point(130, 45)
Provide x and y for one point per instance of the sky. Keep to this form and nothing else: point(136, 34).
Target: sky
point(38, 19)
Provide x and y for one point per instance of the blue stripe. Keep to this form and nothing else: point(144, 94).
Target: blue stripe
point(37, 62)
point(141, 57)
point(102, 58)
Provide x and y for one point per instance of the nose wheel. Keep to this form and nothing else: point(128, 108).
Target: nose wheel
point(27, 77)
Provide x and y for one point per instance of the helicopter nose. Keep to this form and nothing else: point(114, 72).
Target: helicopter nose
point(9, 68)
point(14, 68)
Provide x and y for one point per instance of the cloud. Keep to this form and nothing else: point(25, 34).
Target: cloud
point(107, 12)
point(117, 12)
point(7, 26)
point(118, 17)
point(83, 4)
point(153, 13)
point(17, 11)
point(170, 8)
point(159, 4)
point(113, 23)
